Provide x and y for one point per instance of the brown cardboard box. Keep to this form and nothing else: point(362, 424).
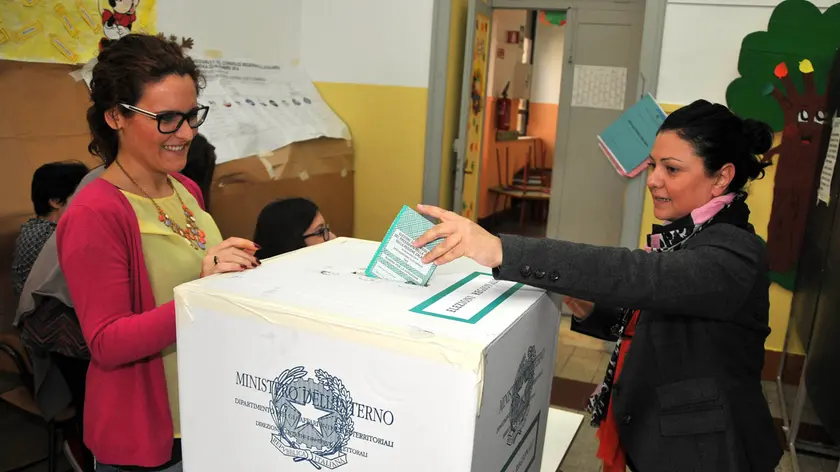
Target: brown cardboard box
point(42, 119)
point(320, 170)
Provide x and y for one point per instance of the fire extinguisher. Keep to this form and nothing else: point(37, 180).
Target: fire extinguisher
point(503, 106)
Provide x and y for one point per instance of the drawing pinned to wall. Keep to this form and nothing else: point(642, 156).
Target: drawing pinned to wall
point(556, 18)
point(476, 116)
point(68, 31)
point(783, 76)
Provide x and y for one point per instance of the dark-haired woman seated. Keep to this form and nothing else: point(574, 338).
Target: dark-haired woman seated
point(288, 225)
point(686, 395)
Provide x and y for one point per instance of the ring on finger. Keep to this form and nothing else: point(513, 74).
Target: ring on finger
point(215, 260)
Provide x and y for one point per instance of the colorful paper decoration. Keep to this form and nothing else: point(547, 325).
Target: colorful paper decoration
point(783, 76)
point(69, 31)
point(554, 17)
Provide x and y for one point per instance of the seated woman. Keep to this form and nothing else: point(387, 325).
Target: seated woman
point(52, 185)
point(288, 225)
point(128, 239)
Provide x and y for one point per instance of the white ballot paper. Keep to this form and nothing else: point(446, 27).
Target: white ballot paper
point(397, 259)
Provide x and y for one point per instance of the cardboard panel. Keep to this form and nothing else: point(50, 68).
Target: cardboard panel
point(236, 207)
point(320, 170)
point(42, 120)
point(45, 124)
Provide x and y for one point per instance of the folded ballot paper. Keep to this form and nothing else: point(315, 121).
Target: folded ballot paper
point(396, 258)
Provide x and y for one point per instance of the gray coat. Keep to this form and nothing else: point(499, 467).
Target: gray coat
point(689, 397)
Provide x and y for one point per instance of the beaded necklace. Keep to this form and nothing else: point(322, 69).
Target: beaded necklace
point(192, 233)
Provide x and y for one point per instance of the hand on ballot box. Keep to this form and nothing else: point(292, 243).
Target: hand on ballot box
point(231, 255)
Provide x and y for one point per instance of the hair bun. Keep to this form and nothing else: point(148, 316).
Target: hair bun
point(759, 136)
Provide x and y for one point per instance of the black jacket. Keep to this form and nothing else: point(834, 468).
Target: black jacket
point(689, 397)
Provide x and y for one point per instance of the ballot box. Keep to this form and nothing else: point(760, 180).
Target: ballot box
point(305, 364)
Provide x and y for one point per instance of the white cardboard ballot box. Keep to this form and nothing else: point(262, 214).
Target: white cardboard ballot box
point(305, 364)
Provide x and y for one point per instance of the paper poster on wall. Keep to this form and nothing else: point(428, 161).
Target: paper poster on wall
point(599, 87)
point(69, 31)
point(257, 108)
point(827, 174)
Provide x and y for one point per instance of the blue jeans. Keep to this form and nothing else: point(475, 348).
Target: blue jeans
point(109, 468)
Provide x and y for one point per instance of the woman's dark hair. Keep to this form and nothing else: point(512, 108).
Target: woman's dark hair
point(281, 225)
point(123, 69)
point(201, 163)
point(720, 137)
point(55, 181)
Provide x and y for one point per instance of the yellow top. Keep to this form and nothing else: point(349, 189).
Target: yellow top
point(170, 261)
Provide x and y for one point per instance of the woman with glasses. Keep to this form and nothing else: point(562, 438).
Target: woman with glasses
point(289, 224)
point(128, 239)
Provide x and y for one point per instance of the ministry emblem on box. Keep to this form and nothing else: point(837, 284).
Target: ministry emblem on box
point(520, 394)
point(313, 416)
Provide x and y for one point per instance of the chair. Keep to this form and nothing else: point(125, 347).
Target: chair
point(23, 396)
point(530, 183)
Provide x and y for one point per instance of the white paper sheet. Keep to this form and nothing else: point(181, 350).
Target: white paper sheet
point(560, 431)
point(827, 174)
point(256, 108)
point(599, 87)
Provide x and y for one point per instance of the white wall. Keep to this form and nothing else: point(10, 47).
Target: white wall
point(378, 42)
point(548, 63)
point(502, 69)
point(338, 38)
point(701, 43)
point(265, 31)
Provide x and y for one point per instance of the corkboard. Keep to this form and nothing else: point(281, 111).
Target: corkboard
point(42, 119)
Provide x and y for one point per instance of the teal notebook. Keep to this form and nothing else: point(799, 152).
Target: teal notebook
point(396, 258)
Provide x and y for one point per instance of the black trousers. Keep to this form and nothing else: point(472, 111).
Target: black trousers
point(74, 372)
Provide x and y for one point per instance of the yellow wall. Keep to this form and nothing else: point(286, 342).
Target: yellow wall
point(454, 74)
point(761, 198)
point(388, 125)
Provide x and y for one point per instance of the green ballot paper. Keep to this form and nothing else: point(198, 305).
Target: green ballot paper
point(397, 258)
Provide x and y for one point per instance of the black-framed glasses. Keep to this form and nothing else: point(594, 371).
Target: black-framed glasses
point(170, 121)
point(323, 232)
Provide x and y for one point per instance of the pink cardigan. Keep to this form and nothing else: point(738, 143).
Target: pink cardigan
point(127, 417)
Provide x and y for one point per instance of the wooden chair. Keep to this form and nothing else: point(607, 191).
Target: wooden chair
point(534, 185)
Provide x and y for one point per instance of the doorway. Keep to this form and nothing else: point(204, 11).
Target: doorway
point(588, 201)
point(517, 150)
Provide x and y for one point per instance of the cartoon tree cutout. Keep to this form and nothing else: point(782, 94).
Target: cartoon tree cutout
point(803, 39)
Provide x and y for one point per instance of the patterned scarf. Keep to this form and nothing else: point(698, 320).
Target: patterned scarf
point(670, 237)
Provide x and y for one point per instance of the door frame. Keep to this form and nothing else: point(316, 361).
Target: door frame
point(654, 25)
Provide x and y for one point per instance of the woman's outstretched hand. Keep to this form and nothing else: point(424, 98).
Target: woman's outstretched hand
point(231, 255)
point(461, 238)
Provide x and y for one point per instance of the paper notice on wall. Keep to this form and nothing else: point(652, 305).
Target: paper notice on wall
point(599, 87)
point(257, 108)
point(827, 174)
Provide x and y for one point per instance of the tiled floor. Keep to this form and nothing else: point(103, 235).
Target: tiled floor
point(583, 360)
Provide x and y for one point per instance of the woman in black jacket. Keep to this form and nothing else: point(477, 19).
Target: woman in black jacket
point(695, 303)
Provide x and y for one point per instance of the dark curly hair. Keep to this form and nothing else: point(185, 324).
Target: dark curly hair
point(720, 136)
point(123, 69)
